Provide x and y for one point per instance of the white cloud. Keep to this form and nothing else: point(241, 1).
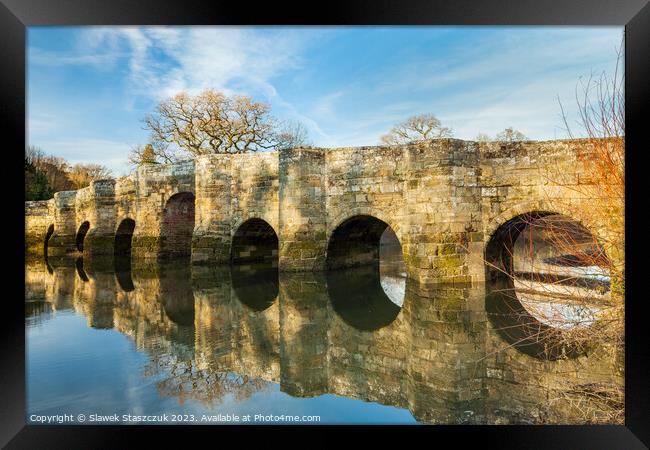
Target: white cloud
point(163, 60)
point(104, 60)
point(508, 78)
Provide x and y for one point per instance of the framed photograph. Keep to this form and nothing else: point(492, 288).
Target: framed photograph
point(370, 215)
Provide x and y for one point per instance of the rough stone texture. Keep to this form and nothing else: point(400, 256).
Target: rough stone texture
point(37, 220)
point(442, 359)
point(442, 198)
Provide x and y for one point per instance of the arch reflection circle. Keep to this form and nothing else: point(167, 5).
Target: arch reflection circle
point(256, 285)
point(366, 273)
point(548, 284)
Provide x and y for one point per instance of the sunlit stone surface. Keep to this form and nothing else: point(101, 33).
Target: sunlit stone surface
point(206, 339)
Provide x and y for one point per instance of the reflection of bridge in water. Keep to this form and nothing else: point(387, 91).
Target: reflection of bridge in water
point(440, 355)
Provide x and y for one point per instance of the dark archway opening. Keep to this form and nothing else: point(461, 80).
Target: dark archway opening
point(122, 256)
point(81, 235)
point(48, 235)
point(366, 276)
point(123, 237)
point(355, 242)
point(255, 241)
point(546, 284)
point(254, 270)
point(177, 226)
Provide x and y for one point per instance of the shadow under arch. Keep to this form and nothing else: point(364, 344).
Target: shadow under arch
point(355, 242)
point(81, 235)
point(256, 286)
point(122, 254)
point(511, 319)
point(366, 274)
point(255, 240)
point(177, 226)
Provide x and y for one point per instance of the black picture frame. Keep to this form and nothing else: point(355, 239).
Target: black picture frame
point(16, 15)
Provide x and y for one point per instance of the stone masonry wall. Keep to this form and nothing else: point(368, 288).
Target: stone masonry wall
point(442, 198)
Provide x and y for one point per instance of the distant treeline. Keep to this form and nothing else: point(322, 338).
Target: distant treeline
point(47, 174)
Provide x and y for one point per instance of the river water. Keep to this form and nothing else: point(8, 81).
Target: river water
point(176, 343)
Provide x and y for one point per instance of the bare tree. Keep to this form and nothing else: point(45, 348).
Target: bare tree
point(510, 136)
point(416, 128)
point(482, 138)
point(292, 135)
point(55, 168)
point(81, 175)
point(213, 123)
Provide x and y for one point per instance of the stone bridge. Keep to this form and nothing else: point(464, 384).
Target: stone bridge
point(314, 208)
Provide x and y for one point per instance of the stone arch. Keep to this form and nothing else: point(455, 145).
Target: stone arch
point(508, 225)
point(177, 225)
point(254, 240)
point(48, 235)
point(122, 254)
point(82, 231)
point(124, 237)
point(360, 295)
point(517, 303)
point(365, 211)
point(355, 240)
point(531, 206)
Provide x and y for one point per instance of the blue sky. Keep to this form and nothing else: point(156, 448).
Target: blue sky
point(90, 87)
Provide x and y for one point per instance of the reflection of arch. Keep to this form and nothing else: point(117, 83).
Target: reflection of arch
point(48, 266)
point(81, 235)
point(79, 264)
point(533, 320)
point(359, 299)
point(177, 225)
point(256, 286)
point(176, 294)
point(355, 242)
point(514, 324)
point(254, 241)
point(125, 280)
point(48, 235)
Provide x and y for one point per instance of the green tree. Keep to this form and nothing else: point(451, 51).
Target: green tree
point(36, 185)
